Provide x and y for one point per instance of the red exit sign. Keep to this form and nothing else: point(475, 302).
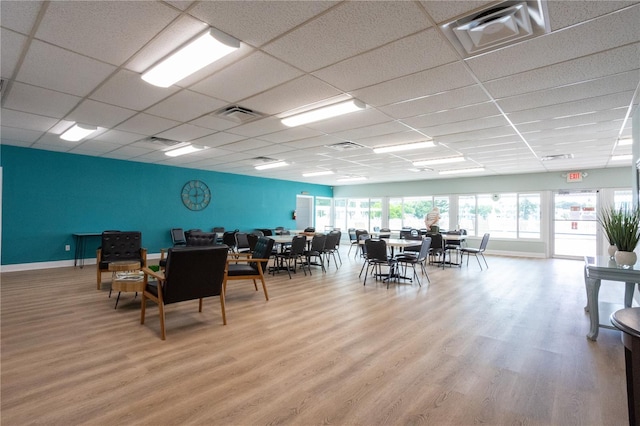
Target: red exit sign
point(574, 177)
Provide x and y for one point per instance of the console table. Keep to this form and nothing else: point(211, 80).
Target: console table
point(81, 243)
point(604, 268)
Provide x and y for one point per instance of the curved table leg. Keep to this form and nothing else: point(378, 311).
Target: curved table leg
point(593, 287)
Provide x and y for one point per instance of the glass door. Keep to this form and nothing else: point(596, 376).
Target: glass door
point(575, 223)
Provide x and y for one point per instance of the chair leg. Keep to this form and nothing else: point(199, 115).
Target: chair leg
point(479, 264)
point(117, 299)
point(224, 314)
point(485, 260)
point(161, 315)
point(200, 305)
point(143, 305)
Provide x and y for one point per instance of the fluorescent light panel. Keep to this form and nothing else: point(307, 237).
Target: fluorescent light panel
point(627, 157)
point(404, 147)
point(272, 165)
point(195, 55)
point(78, 132)
point(438, 161)
point(351, 179)
point(321, 173)
point(625, 142)
point(184, 150)
point(458, 171)
point(323, 113)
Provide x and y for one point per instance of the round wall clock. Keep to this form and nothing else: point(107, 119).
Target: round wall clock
point(195, 195)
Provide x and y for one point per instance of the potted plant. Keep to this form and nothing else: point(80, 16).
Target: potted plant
point(622, 228)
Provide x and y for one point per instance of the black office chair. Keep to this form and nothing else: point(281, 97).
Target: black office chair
point(477, 251)
point(316, 251)
point(295, 254)
point(177, 237)
point(411, 260)
point(377, 257)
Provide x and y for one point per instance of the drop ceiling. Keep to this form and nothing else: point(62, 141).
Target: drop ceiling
point(570, 90)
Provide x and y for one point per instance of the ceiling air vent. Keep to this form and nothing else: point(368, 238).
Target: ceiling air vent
point(238, 114)
point(345, 146)
point(162, 144)
point(497, 26)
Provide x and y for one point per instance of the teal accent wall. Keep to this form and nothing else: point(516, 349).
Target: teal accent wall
point(47, 196)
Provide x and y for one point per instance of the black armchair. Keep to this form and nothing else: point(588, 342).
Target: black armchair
point(191, 273)
point(250, 266)
point(119, 246)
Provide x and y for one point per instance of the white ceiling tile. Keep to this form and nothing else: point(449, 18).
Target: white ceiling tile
point(217, 139)
point(116, 137)
point(390, 61)
point(55, 68)
point(293, 94)
point(26, 121)
point(256, 22)
point(247, 77)
point(11, 45)
point(19, 15)
point(563, 14)
point(146, 124)
point(19, 136)
point(346, 30)
point(185, 133)
point(39, 101)
point(110, 31)
point(429, 82)
point(592, 67)
point(367, 117)
point(622, 82)
point(246, 145)
point(438, 102)
point(263, 126)
point(185, 106)
point(372, 130)
point(95, 148)
point(291, 134)
point(604, 33)
point(442, 10)
point(486, 109)
point(99, 114)
point(126, 89)
point(213, 122)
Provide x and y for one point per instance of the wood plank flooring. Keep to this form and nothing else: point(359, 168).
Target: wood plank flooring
point(502, 346)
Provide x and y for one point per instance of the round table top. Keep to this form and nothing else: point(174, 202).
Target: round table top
point(627, 320)
point(124, 265)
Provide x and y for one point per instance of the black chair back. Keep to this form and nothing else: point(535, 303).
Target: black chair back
point(193, 273)
point(424, 250)
point(177, 237)
point(318, 243)
point(263, 250)
point(376, 250)
point(298, 245)
point(229, 238)
point(310, 229)
point(200, 239)
point(253, 240)
point(120, 245)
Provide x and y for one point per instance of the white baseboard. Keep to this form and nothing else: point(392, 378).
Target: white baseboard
point(56, 264)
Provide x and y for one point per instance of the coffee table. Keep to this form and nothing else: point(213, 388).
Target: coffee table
point(126, 276)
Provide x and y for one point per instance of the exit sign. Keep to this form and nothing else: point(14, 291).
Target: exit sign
point(574, 177)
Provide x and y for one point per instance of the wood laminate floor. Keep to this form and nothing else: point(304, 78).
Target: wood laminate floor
point(502, 346)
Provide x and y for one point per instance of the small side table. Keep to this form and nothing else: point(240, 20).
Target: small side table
point(126, 276)
point(628, 321)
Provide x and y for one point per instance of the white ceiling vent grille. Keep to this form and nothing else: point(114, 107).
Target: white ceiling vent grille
point(497, 26)
point(238, 114)
point(557, 157)
point(163, 144)
point(345, 146)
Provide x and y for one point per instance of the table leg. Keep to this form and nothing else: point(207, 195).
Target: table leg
point(628, 294)
point(593, 287)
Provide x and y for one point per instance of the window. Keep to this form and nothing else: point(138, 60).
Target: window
point(506, 215)
point(340, 213)
point(358, 213)
point(375, 213)
point(323, 213)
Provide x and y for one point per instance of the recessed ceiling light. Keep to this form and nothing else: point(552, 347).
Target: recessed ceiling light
point(323, 113)
point(320, 173)
point(196, 54)
point(78, 132)
point(271, 165)
point(188, 149)
point(404, 147)
point(457, 171)
point(438, 161)
point(556, 157)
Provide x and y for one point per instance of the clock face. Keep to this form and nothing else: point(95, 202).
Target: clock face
point(196, 195)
